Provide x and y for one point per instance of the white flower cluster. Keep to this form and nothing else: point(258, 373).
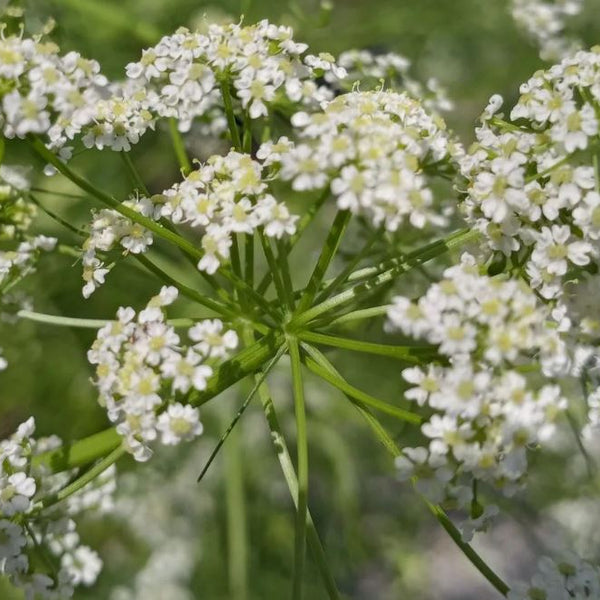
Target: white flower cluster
point(372, 149)
point(226, 196)
point(142, 365)
point(485, 412)
point(570, 578)
point(182, 75)
point(41, 552)
point(45, 93)
point(532, 187)
point(544, 22)
point(20, 249)
point(371, 70)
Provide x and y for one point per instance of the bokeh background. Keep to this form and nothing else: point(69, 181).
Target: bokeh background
point(170, 538)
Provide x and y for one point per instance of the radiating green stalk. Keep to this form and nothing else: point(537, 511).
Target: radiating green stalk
point(249, 259)
point(79, 453)
point(360, 289)
point(358, 315)
point(179, 148)
point(237, 535)
point(329, 250)
point(252, 294)
point(86, 478)
point(62, 321)
point(230, 115)
point(57, 218)
point(282, 294)
point(332, 287)
point(302, 460)
point(259, 380)
point(382, 435)
point(136, 178)
point(287, 467)
point(355, 394)
point(413, 354)
point(79, 323)
point(246, 362)
point(131, 214)
point(185, 290)
point(288, 245)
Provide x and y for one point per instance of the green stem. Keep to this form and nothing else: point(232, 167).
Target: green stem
point(337, 381)
point(237, 537)
point(57, 218)
point(179, 147)
point(230, 115)
point(412, 354)
point(136, 178)
point(86, 478)
point(302, 460)
point(283, 296)
point(329, 250)
point(359, 315)
point(88, 323)
point(383, 436)
point(62, 321)
point(109, 201)
point(422, 255)
point(259, 380)
point(288, 245)
point(341, 278)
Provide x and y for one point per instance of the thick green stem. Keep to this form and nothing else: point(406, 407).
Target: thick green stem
point(289, 473)
point(302, 460)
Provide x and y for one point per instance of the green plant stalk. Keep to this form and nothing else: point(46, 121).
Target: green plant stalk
point(302, 461)
point(361, 397)
point(329, 250)
point(359, 315)
point(179, 148)
point(388, 443)
point(98, 445)
point(282, 293)
point(289, 473)
point(341, 278)
point(429, 252)
point(86, 478)
point(57, 218)
point(230, 115)
point(61, 321)
point(109, 201)
point(411, 354)
point(258, 382)
point(288, 245)
point(237, 536)
point(136, 178)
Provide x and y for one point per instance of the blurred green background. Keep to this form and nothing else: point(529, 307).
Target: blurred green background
point(381, 542)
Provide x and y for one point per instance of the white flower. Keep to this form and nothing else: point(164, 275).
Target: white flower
point(179, 423)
